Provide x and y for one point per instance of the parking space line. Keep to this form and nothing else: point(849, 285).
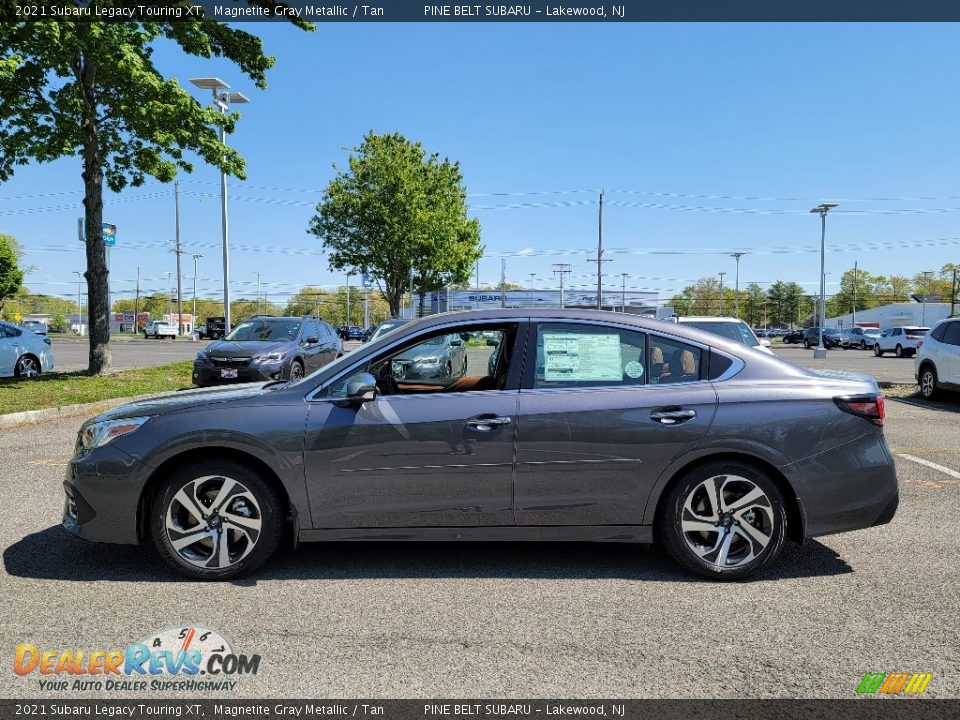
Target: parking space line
point(933, 465)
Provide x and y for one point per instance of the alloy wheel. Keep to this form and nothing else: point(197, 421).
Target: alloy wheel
point(899, 351)
point(27, 367)
point(296, 371)
point(213, 522)
point(928, 383)
point(727, 521)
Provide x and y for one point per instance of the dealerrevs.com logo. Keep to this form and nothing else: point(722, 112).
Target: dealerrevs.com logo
point(192, 659)
point(896, 683)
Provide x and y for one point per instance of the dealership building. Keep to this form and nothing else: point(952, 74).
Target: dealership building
point(631, 301)
point(895, 315)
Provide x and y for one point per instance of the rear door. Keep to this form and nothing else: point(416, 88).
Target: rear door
point(949, 358)
point(603, 411)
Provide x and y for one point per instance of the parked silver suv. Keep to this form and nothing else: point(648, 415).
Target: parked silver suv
point(937, 362)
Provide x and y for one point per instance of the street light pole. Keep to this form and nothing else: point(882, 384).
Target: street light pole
point(169, 296)
point(822, 209)
point(736, 291)
point(623, 292)
point(196, 257)
point(258, 292)
point(223, 99)
point(79, 301)
point(721, 292)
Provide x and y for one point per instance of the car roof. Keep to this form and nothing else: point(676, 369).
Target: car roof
point(710, 318)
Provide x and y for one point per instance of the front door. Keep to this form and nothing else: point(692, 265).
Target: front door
point(430, 451)
point(603, 411)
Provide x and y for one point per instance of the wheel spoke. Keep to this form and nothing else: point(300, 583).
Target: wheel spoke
point(751, 498)
point(188, 540)
point(697, 526)
point(189, 505)
point(752, 534)
point(703, 551)
point(724, 549)
point(223, 550)
point(241, 521)
point(714, 495)
point(224, 494)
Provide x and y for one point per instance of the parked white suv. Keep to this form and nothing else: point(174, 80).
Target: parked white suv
point(937, 362)
point(901, 341)
point(158, 329)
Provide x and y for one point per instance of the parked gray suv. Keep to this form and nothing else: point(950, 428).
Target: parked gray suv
point(267, 348)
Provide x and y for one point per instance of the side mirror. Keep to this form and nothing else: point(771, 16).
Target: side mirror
point(363, 389)
point(313, 340)
point(464, 336)
point(456, 342)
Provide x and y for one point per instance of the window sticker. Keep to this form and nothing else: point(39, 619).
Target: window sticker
point(633, 369)
point(581, 357)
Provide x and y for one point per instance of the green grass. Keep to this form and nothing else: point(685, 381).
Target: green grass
point(58, 389)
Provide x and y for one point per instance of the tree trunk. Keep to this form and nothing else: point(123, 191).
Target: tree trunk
point(98, 300)
point(394, 293)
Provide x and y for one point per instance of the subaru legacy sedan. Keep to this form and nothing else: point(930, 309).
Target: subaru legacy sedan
point(587, 426)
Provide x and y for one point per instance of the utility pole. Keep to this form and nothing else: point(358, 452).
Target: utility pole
point(79, 301)
point(532, 276)
point(412, 315)
point(179, 251)
point(623, 293)
point(258, 294)
point(503, 283)
point(953, 293)
point(136, 306)
point(926, 291)
point(561, 270)
point(822, 209)
point(196, 257)
point(169, 294)
point(736, 292)
point(721, 292)
point(600, 255)
point(853, 322)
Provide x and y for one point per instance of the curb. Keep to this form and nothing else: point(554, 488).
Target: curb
point(35, 417)
point(893, 384)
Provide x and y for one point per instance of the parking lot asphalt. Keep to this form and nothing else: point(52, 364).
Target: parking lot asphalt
point(885, 369)
point(511, 620)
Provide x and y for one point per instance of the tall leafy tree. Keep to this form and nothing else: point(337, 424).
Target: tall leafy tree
point(91, 90)
point(11, 274)
point(397, 212)
point(895, 288)
point(854, 285)
point(788, 303)
point(753, 306)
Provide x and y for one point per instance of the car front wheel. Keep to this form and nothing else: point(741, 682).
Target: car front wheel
point(215, 520)
point(296, 370)
point(877, 351)
point(898, 351)
point(928, 382)
point(724, 521)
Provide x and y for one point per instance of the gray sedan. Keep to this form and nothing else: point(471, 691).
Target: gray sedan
point(587, 426)
point(23, 353)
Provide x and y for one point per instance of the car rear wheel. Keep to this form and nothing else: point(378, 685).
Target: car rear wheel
point(806, 344)
point(724, 521)
point(215, 520)
point(928, 382)
point(27, 367)
point(898, 351)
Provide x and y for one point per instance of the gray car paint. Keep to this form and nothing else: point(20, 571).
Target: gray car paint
point(334, 463)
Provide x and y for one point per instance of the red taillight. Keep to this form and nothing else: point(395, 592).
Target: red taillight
point(914, 337)
point(869, 407)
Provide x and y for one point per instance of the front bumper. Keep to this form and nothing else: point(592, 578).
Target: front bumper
point(847, 488)
point(205, 373)
point(102, 491)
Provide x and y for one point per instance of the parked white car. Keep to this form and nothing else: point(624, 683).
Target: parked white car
point(728, 327)
point(158, 328)
point(937, 362)
point(23, 353)
point(901, 341)
point(860, 337)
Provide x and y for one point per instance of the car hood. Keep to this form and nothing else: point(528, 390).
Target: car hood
point(422, 351)
point(181, 400)
point(246, 348)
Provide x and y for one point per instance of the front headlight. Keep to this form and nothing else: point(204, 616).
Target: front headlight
point(432, 360)
point(270, 357)
point(98, 434)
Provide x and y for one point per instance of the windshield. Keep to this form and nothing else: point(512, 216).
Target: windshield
point(738, 332)
point(916, 331)
point(265, 331)
point(831, 331)
point(386, 327)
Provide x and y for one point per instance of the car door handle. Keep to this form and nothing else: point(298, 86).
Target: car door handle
point(672, 416)
point(486, 424)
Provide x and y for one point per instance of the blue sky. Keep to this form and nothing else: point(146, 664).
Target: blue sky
point(732, 131)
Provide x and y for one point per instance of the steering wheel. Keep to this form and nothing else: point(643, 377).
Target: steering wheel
point(386, 382)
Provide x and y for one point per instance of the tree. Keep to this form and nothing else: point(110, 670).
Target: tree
point(90, 89)
point(11, 275)
point(787, 303)
point(753, 306)
point(894, 289)
point(857, 284)
point(395, 212)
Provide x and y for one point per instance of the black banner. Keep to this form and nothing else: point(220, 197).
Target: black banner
point(617, 11)
point(855, 709)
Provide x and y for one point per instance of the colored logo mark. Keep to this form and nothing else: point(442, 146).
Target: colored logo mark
point(894, 683)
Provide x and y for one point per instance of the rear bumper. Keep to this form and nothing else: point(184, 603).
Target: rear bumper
point(847, 488)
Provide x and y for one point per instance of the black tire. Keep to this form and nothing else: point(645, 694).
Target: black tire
point(863, 345)
point(877, 351)
point(898, 351)
point(806, 344)
point(928, 382)
point(199, 480)
point(145, 336)
point(767, 518)
point(27, 366)
point(296, 370)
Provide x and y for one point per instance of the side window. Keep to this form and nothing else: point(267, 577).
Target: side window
point(9, 331)
point(672, 361)
point(952, 334)
point(939, 331)
point(574, 355)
